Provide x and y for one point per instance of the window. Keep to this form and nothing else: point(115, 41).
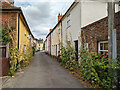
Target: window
point(27, 34)
point(24, 49)
point(25, 30)
point(85, 45)
point(30, 37)
point(102, 47)
point(68, 21)
point(2, 52)
point(59, 47)
point(59, 29)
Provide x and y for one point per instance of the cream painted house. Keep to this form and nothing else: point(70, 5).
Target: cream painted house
point(79, 15)
point(56, 35)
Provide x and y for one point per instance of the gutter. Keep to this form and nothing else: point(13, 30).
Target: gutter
point(18, 28)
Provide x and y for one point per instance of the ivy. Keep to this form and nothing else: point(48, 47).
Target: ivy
point(4, 34)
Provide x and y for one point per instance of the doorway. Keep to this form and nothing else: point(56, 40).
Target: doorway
point(76, 49)
point(56, 50)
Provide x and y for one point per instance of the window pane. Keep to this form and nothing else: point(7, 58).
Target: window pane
point(101, 46)
point(2, 52)
point(105, 46)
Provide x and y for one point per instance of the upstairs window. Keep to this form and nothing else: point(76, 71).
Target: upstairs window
point(30, 37)
point(27, 34)
point(68, 20)
point(102, 47)
point(59, 29)
point(25, 30)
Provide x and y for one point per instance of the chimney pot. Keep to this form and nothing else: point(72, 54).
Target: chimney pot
point(59, 17)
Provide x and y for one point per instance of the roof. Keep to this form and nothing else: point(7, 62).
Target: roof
point(6, 6)
point(67, 12)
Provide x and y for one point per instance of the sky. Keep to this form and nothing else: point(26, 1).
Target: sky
point(42, 15)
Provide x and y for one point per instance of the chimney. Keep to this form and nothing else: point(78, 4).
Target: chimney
point(50, 30)
point(10, 2)
point(59, 17)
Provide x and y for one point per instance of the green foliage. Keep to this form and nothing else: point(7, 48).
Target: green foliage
point(4, 34)
point(97, 69)
point(27, 55)
point(68, 57)
point(14, 60)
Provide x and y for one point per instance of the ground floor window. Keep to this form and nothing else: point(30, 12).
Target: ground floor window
point(85, 45)
point(24, 49)
point(102, 47)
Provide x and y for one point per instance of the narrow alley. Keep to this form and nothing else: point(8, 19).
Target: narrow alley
point(44, 72)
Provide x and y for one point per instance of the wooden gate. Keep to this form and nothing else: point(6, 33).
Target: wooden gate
point(4, 61)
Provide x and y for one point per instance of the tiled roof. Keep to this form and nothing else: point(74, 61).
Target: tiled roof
point(7, 5)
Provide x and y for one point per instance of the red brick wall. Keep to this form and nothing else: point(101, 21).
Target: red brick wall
point(98, 31)
point(10, 18)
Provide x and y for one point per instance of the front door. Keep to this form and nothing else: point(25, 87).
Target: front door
point(56, 50)
point(76, 49)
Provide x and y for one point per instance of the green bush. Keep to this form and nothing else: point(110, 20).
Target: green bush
point(97, 69)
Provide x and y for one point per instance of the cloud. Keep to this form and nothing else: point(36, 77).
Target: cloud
point(41, 16)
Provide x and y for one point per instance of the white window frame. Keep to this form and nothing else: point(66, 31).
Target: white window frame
point(85, 45)
point(103, 46)
point(25, 30)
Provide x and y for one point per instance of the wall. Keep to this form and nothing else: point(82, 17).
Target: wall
point(55, 41)
point(9, 17)
point(23, 39)
point(74, 28)
point(49, 44)
point(41, 46)
point(98, 31)
point(92, 11)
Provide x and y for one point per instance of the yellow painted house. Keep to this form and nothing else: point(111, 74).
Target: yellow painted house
point(40, 44)
point(15, 18)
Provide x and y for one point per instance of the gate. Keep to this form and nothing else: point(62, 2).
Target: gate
point(4, 61)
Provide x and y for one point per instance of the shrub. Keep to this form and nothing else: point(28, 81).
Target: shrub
point(97, 69)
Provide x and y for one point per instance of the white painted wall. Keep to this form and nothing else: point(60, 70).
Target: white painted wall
point(47, 44)
point(83, 14)
point(92, 11)
point(74, 29)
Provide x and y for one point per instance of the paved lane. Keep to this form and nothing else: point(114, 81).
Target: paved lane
point(44, 72)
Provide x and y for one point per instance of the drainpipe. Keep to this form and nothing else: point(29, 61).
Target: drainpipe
point(18, 28)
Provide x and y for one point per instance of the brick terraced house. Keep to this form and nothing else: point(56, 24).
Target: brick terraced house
point(14, 17)
point(95, 35)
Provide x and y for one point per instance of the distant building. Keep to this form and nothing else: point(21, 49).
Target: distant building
point(40, 44)
point(48, 44)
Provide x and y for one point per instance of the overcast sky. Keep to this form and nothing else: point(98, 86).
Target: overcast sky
point(42, 15)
